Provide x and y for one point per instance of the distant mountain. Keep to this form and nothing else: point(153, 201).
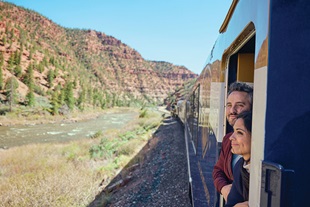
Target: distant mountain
point(44, 63)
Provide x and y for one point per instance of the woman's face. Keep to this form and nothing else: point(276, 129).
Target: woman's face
point(241, 140)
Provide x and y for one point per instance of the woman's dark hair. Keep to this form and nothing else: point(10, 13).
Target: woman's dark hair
point(247, 120)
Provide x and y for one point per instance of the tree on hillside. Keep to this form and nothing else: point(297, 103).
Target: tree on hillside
point(29, 77)
point(89, 95)
point(103, 103)
point(11, 91)
point(17, 57)
point(30, 99)
point(1, 72)
point(55, 103)
point(69, 98)
point(4, 40)
point(114, 100)
point(81, 99)
point(11, 62)
point(56, 72)
point(40, 67)
point(18, 71)
point(30, 54)
point(107, 100)
point(75, 83)
point(95, 98)
point(62, 96)
point(52, 61)
point(44, 62)
point(1, 78)
point(50, 77)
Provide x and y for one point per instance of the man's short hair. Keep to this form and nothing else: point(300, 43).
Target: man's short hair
point(241, 87)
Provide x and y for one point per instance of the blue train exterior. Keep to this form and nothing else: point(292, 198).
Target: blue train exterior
point(264, 43)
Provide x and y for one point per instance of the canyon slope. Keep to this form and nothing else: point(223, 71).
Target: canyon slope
point(97, 69)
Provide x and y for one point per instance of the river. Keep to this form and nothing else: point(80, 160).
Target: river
point(61, 132)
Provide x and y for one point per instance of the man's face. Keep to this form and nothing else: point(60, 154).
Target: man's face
point(237, 102)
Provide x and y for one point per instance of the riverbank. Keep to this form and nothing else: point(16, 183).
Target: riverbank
point(40, 117)
point(72, 173)
point(160, 179)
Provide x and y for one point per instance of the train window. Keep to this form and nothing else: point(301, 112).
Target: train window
point(241, 63)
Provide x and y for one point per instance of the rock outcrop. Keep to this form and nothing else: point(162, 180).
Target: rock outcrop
point(96, 64)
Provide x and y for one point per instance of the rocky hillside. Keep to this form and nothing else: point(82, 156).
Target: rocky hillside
point(47, 63)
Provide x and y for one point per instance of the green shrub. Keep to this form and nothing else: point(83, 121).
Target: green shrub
point(140, 131)
point(150, 126)
point(97, 134)
point(143, 113)
point(4, 110)
point(128, 136)
point(104, 149)
point(96, 151)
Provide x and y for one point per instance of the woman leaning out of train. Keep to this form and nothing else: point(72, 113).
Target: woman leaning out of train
point(241, 145)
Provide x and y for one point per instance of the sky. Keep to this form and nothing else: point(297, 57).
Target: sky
point(181, 32)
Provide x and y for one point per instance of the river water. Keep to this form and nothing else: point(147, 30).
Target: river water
point(62, 132)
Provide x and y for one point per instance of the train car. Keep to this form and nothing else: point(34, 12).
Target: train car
point(180, 110)
point(173, 110)
point(265, 43)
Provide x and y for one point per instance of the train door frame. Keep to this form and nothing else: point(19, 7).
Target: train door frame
point(245, 36)
point(232, 58)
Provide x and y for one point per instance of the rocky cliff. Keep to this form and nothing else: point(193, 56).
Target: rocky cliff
point(44, 58)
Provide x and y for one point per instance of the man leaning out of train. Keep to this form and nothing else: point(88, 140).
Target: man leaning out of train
point(239, 99)
point(241, 145)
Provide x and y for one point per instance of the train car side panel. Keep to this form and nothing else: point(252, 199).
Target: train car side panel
point(288, 109)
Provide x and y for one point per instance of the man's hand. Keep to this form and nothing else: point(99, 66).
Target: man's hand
point(243, 204)
point(225, 191)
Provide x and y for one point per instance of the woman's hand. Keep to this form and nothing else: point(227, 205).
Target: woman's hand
point(243, 204)
point(225, 191)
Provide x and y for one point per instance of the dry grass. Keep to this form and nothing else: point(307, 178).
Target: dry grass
point(64, 174)
point(44, 175)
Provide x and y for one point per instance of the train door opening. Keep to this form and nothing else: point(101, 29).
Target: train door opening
point(241, 67)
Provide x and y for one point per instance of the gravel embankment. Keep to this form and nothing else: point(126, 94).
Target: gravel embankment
point(162, 177)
